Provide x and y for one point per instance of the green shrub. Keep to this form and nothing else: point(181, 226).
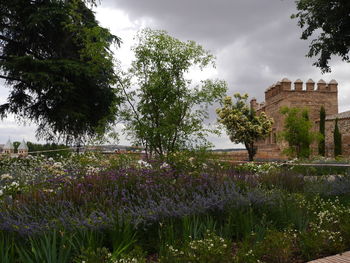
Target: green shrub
point(90, 255)
point(248, 250)
point(88, 241)
point(337, 140)
point(193, 161)
point(210, 249)
point(137, 255)
point(7, 249)
point(50, 247)
point(123, 237)
point(322, 129)
point(323, 236)
point(259, 169)
point(275, 247)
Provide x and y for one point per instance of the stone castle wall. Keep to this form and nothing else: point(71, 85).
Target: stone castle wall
point(344, 128)
point(309, 96)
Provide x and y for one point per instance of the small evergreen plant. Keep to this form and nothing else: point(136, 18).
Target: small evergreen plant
point(337, 140)
point(321, 144)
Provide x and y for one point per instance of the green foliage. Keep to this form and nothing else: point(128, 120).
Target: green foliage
point(324, 236)
point(88, 242)
point(90, 255)
point(241, 222)
point(7, 248)
point(319, 170)
point(169, 113)
point(152, 215)
point(297, 132)
point(51, 247)
point(259, 169)
point(36, 147)
point(337, 140)
point(123, 237)
point(196, 227)
point(322, 143)
point(57, 61)
point(329, 21)
point(123, 161)
point(276, 247)
point(242, 124)
point(192, 161)
point(211, 249)
point(283, 178)
point(137, 255)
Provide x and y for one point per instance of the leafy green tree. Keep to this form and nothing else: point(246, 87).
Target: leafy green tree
point(297, 132)
point(165, 113)
point(57, 62)
point(242, 123)
point(327, 21)
point(337, 140)
point(321, 144)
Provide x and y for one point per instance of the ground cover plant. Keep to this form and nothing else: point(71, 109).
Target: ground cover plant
point(97, 208)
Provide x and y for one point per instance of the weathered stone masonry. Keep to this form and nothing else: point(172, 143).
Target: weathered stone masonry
point(311, 97)
point(344, 128)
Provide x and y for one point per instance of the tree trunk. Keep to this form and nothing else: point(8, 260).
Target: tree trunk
point(251, 156)
point(251, 150)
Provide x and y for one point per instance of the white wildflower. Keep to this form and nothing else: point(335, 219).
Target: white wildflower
point(143, 163)
point(6, 176)
point(164, 166)
point(14, 184)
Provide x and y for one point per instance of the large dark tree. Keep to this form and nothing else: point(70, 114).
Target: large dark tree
point(57, 62)
point(328, 22)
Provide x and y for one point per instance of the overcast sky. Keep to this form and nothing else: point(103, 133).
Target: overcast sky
point(255, 43)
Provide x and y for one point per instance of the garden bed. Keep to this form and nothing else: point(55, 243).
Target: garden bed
point(94, 208)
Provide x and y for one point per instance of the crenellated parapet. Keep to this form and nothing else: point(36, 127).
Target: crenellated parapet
point(310, 85)
point(307, 95)
point(286, 90)
point(285, 85)
point(333, 85)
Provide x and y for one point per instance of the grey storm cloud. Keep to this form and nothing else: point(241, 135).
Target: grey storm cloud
point(255, 41)
point(216, 22)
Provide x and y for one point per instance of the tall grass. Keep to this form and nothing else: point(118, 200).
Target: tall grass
point(7, 248)
point(50, 248)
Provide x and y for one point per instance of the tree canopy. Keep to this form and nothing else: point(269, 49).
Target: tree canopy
point(328, 22)
point(297, 132)
point(242, 124)
point(166, 112)
point(57, 62)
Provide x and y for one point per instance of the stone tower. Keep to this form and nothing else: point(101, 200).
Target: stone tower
point(23, 149)
point(8, 148)
point(283, 94)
